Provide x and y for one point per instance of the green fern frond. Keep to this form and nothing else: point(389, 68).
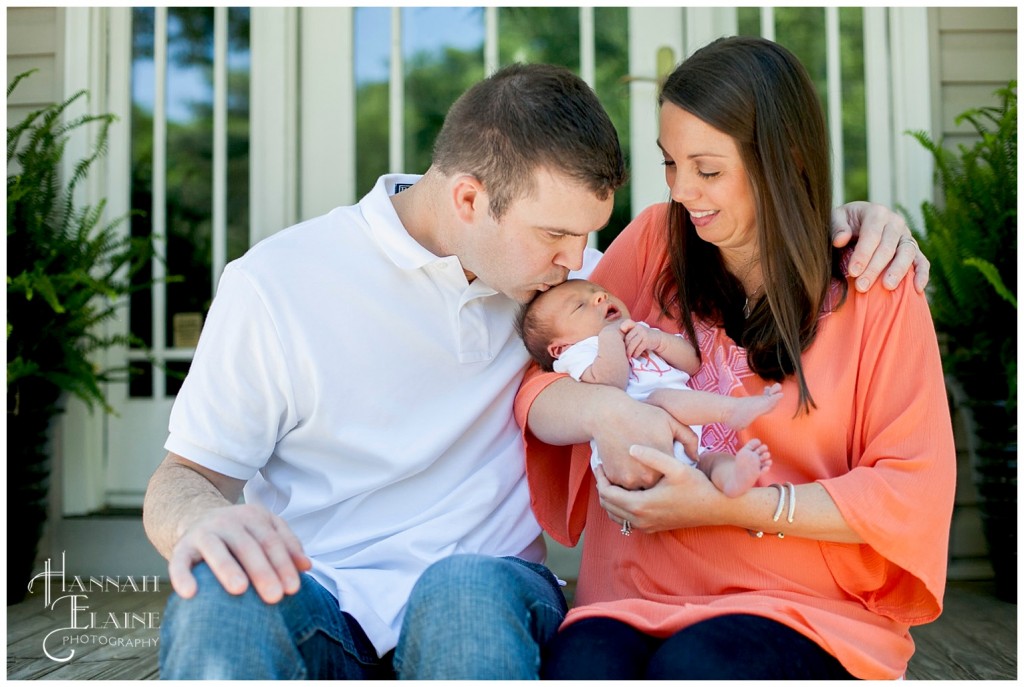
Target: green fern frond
point(69, 269)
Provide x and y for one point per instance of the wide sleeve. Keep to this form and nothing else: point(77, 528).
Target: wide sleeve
point(559, 476)
point(898, 495)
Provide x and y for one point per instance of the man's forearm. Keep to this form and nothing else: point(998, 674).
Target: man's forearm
point(176, 496)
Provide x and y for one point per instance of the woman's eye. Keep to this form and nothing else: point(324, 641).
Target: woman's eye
point(668, 163)
point(707, 175)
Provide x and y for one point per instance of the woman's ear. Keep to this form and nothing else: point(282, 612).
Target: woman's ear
point(468, 198)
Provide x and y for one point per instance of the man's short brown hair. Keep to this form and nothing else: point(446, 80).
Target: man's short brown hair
point(523, 118)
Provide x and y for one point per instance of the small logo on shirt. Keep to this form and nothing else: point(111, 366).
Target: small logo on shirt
point(401, 187)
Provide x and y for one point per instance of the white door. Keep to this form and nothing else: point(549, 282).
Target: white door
point(237, 122)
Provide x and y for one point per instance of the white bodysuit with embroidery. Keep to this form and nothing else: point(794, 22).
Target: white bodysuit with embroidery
point(647, 373)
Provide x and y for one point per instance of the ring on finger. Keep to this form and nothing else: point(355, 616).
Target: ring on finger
point(626, 528)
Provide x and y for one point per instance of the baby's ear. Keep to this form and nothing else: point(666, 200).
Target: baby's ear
point(556, 349)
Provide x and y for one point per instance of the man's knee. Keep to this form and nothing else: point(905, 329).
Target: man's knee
point(471, 581)
point(211, 599)
point(478, 617)
point(218, 635)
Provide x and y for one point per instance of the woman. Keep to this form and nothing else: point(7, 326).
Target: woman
point(819, 572)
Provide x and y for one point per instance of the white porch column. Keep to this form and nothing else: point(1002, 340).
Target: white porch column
point(327, 172)
point(273, 121)
point(911, 107)
point(651, 31)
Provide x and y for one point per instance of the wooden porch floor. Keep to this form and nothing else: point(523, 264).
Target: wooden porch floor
point(975, 639)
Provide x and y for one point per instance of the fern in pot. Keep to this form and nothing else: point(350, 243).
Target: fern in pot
point(970, 238)
point(68, 271)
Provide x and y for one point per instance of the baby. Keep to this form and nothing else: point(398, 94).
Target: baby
point(579, 328)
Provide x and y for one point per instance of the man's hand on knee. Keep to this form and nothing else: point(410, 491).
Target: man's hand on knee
point(241, 544)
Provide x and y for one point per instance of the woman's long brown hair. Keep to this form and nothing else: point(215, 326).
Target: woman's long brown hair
point(758, 93)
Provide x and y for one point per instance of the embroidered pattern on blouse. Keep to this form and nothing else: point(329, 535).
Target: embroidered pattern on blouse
point(725, 367)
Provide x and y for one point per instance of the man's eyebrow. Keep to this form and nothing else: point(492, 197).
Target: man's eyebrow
point(566, 232)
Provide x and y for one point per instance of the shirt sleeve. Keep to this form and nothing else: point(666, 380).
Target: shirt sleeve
point(577, 358)
point(898, 495)
point(237, 401)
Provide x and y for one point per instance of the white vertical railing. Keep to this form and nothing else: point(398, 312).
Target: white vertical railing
point(834, 90)
point(588, 69)
point(587, 56)
point(396, 97)
point(491, 59)
point(877, 105)
point(219, 231)
point(768, 23)
point(159, 210)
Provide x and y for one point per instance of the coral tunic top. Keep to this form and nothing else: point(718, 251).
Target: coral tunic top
point(880, 442)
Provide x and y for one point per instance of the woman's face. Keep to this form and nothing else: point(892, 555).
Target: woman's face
point(706, 175)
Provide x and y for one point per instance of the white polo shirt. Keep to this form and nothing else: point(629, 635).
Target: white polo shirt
point(364, 389)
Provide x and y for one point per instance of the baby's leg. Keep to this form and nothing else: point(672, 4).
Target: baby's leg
point(734, 475)
point(704, 407)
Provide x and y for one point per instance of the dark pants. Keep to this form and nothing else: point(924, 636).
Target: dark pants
point(729, 647)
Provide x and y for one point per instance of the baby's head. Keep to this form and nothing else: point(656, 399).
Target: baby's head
point(564, 315)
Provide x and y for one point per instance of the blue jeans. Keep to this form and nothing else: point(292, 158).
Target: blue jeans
point(478, 618)
point(469, 616)
point(218, 636)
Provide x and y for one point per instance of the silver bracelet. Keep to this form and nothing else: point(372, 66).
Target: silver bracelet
point(778, 508)
point(792, 502)
point(782, 502)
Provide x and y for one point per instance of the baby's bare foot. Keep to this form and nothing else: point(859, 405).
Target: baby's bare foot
point(750, 461)
point(747, 409)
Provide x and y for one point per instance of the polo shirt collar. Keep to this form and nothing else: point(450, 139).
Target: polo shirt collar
point(388, 230)
point(394, 239)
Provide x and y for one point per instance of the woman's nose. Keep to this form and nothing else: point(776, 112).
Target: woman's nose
point(684, 191)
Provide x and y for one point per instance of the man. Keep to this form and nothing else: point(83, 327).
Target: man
point(356, 376)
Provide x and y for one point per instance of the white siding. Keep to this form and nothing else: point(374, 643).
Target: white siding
point(976, 54)
point(34, 41)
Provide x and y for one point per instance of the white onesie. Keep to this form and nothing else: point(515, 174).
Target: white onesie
point(647, 373)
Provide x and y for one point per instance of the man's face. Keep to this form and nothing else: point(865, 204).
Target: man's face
point(538, 240)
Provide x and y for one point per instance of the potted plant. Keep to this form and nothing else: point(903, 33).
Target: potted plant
point(68, 271)
point(970, 238)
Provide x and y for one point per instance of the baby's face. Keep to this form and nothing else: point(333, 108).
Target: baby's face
point(579, 309)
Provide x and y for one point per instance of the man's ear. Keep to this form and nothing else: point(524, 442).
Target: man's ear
point(468, 197)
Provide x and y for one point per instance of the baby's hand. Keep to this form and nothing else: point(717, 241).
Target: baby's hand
point(640, 339)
